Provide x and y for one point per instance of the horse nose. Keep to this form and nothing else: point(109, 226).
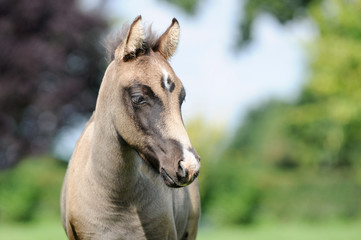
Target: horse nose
point(182, 173)
point(188, 170)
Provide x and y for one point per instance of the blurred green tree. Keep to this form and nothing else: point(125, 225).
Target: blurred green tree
point(302, 158)
point(209, 141)
point(323, 128)
point(327, 117)
point(283, 10)
point(31, 191)
point(318, 137)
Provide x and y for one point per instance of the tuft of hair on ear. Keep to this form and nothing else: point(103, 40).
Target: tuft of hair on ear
point(168, 41)
point(113, 40)
point(132, 42)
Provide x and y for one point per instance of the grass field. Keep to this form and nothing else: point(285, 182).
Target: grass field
point(333, 231)
point(46, 230)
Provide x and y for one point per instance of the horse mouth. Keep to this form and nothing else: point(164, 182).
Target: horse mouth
point(168, 180)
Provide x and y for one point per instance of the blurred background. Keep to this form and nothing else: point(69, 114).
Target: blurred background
point(273, 109)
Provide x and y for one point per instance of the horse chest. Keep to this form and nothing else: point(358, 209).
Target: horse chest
point(153, 218)
point(152, 211)
point(161, 207)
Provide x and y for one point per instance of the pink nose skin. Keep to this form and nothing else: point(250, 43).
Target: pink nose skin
point(188, 167)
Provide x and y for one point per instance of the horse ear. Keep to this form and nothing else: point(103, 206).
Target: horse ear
point(168, 42)
point(133, 40)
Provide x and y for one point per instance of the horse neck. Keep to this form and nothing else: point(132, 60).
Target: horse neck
point(112, 162)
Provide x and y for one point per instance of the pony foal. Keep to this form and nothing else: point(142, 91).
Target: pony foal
point(133, 171)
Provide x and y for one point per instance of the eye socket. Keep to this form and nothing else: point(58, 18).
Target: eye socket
point(138, 99)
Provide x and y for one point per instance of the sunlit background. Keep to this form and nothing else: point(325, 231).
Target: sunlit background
point(272, 107)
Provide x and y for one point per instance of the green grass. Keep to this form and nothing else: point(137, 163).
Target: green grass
point(333, 231)
point(51, 230)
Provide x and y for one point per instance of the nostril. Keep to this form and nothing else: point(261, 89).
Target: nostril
point(182, 173)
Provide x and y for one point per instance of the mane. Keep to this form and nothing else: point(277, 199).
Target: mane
point(112, 41)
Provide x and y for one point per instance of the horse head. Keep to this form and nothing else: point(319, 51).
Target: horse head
point(144, 102)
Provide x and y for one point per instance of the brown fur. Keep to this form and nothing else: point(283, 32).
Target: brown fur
point(114, 187)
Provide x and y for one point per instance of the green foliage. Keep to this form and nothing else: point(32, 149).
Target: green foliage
point(31, 190)
point(283, 10)
point(260, 139)
point(328, 112)
point(18, 201)
point(300, 160)
point(309, 195)
point(232, 196)
point(285, 162)
point(304, 157)
point(227, 194)
point(209, 142)
point(323, 128)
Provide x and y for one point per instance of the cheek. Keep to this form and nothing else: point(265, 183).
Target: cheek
point(127, 129)
point(148, 119)
point(123, 120)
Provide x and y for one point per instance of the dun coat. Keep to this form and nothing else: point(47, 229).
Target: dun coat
point(133, 171)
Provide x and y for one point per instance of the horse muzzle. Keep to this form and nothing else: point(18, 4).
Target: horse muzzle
point(187, 170)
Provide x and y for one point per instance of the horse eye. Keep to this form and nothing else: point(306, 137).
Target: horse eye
point(138, 99)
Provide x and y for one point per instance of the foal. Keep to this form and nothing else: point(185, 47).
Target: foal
point(131, 173)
